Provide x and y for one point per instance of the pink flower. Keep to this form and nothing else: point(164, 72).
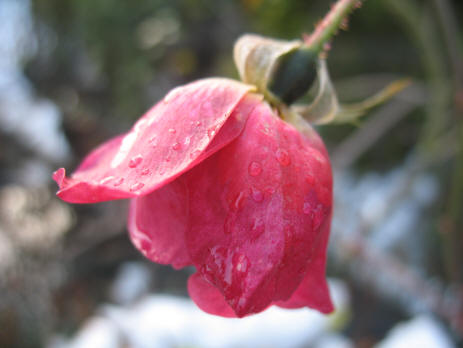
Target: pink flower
point(218, 181)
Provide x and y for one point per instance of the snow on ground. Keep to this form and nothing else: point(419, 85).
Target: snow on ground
point(422, 331)
point(163, 321)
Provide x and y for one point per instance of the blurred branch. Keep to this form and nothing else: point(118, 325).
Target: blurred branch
point(95, 232)
point(348, 151)
point(419, 21)
point(449, 26)
point(422, 31)
point(414, 291)
point(387, 274)
point(450, 230)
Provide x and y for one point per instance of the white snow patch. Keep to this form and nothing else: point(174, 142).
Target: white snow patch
point(422, 331)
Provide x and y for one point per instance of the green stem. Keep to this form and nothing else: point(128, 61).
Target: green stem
point(330, 24)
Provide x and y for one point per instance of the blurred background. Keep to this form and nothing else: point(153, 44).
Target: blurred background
point(74, 73)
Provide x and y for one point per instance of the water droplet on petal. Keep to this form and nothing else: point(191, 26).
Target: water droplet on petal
point(172, 131)
point(118, 182)
point(257, 195)
point(219, 255)
point(240, 262)
point(176, 146)
point(198, 123)
point(135, 161)
point(106, 180)
point(283, 157)
point(254, 169)
point(211, 133)
point(145, 171)
point(307, 208)
point(167, 159)
point(257, 229)
point(137, 186)
point(239, 201)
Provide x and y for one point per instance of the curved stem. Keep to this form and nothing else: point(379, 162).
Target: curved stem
point(330, 24)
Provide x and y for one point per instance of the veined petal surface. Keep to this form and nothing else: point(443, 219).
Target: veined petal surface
point(171, 138)
point(257, 210)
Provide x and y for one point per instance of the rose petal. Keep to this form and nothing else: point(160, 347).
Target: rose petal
point(157, 224)
point(81, 189)
point(208, 297)
point(158, 221)
point(313, 291)
point(256, 211)
point(168, 140)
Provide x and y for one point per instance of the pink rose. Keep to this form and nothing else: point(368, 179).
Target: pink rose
point(218, 181)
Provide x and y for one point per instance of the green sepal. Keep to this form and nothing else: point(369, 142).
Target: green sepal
point(325, 108)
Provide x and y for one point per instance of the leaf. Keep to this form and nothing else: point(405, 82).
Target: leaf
point(326, 108)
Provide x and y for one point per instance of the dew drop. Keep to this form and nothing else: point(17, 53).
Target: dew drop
point(106, 180)
point(219, 256)
point(118, 182)
point(211, 132)
point(198, 123)
point(176, 146)
point(167, 159)
point(258, 227)
point(240, 262)
point(307, 208)
point(137, 186)
point(145, 171)
point(172, 131)
point(254, 169)
point(239, 200)
point(257, 196)
point(135, 161)
point(283, 157)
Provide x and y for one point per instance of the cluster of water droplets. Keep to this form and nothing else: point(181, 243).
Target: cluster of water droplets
point(226, 266)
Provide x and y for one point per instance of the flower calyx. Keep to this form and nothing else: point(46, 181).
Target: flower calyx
point(285, 71)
